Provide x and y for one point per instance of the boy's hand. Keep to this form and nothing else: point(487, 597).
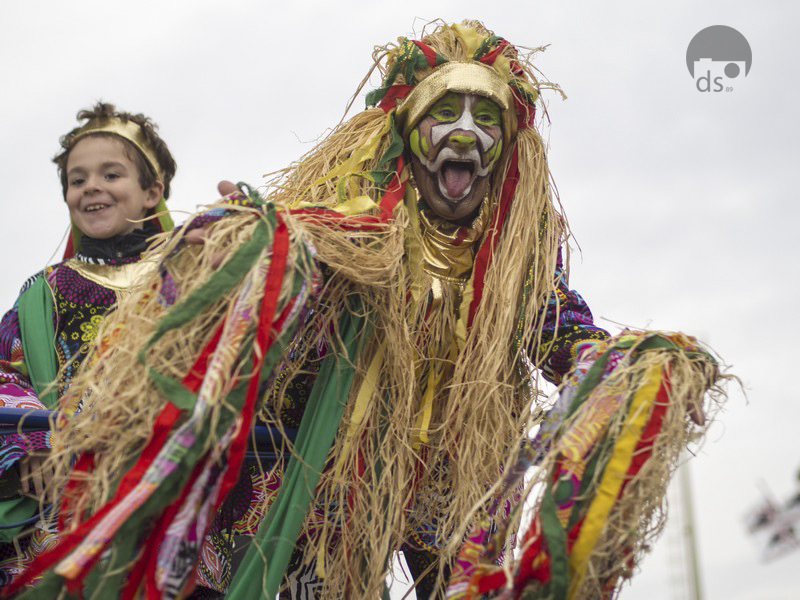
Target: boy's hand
point(34, 475)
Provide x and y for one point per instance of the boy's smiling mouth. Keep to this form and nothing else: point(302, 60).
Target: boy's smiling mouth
point(95, 207)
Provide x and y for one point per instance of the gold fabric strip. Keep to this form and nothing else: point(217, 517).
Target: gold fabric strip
point(448, 249)
point(120, 278)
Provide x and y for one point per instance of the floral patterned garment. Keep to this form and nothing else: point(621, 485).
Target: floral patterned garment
point(80, 301)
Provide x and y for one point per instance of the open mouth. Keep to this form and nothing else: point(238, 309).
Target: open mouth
point(456, 177)
point(95, 207)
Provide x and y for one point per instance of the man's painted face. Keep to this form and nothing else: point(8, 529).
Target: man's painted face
point(455, 147)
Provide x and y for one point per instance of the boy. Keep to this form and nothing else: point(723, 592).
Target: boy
point(115, 170)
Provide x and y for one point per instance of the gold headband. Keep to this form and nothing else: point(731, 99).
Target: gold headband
point(127, 130)
point(460, 77)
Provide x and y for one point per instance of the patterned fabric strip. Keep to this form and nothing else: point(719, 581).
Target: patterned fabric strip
point(613, 476)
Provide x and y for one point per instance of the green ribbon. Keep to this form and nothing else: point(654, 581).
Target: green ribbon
point(275, 541)
point(38, 339)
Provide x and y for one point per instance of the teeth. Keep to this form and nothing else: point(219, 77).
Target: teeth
point(94, 207)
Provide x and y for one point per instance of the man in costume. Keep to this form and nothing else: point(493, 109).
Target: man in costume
point(113, 168)
point(384, 312)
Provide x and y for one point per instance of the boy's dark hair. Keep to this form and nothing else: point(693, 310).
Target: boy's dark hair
point(147, 177)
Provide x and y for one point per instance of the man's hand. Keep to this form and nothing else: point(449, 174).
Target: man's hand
point(35, 474)
point(226, 188)
point(198, 236)
point(697, 414)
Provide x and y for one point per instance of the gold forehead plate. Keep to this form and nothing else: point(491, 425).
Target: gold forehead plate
point(459, 77)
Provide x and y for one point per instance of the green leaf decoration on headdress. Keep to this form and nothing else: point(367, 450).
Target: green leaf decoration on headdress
point(387, 165)
point(523, 91)
point(408, 58)
point(489, 44)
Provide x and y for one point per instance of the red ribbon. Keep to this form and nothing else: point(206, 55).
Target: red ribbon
point(84, 464)
point(264, 340)
point(488, 59)
point(393, 94)
point(330, 218)
point(146, 565)
point(484, 258)
point(430, 54)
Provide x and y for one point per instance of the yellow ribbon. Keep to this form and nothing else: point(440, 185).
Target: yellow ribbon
point(351, 166)
point(363, 396)
point(613, 478)
point(424, 418)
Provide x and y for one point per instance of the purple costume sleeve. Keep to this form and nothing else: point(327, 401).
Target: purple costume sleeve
point(568, 325)
point(16, 392)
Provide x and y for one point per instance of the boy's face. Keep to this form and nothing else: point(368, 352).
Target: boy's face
point(455, 147)
point(103, 190)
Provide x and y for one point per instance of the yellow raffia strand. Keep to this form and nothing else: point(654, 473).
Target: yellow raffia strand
point(319, 569)
point(365, 391)
point(353, 206)
point(467, 295)
point(356, 206)
point(351, 166)
point(613, 478)
point(424, 419)
point(412, 244)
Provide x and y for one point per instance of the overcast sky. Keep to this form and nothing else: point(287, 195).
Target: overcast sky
point(684, 203)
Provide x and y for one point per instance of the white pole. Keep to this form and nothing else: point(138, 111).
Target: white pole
point(689, 538)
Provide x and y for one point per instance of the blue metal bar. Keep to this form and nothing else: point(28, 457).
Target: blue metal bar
point(30, 520)
point(34, 420)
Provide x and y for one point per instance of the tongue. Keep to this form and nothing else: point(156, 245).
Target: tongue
point(456, 177)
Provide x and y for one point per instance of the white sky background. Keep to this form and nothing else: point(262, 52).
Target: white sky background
point(684, 203)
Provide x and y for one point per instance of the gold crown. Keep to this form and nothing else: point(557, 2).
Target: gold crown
point(127, 130)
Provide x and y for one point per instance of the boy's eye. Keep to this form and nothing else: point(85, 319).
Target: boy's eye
point(76, 181)
point(112, 175)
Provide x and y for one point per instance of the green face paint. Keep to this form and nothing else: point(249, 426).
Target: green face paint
point(464, 140)
point(486, 113)
point(418, 143)
point(413, 141)
point(494, 152)
point(454, 148)
point(447, 109)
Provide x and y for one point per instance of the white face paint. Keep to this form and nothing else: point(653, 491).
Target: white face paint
point(465, 122)
point(455, 147)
